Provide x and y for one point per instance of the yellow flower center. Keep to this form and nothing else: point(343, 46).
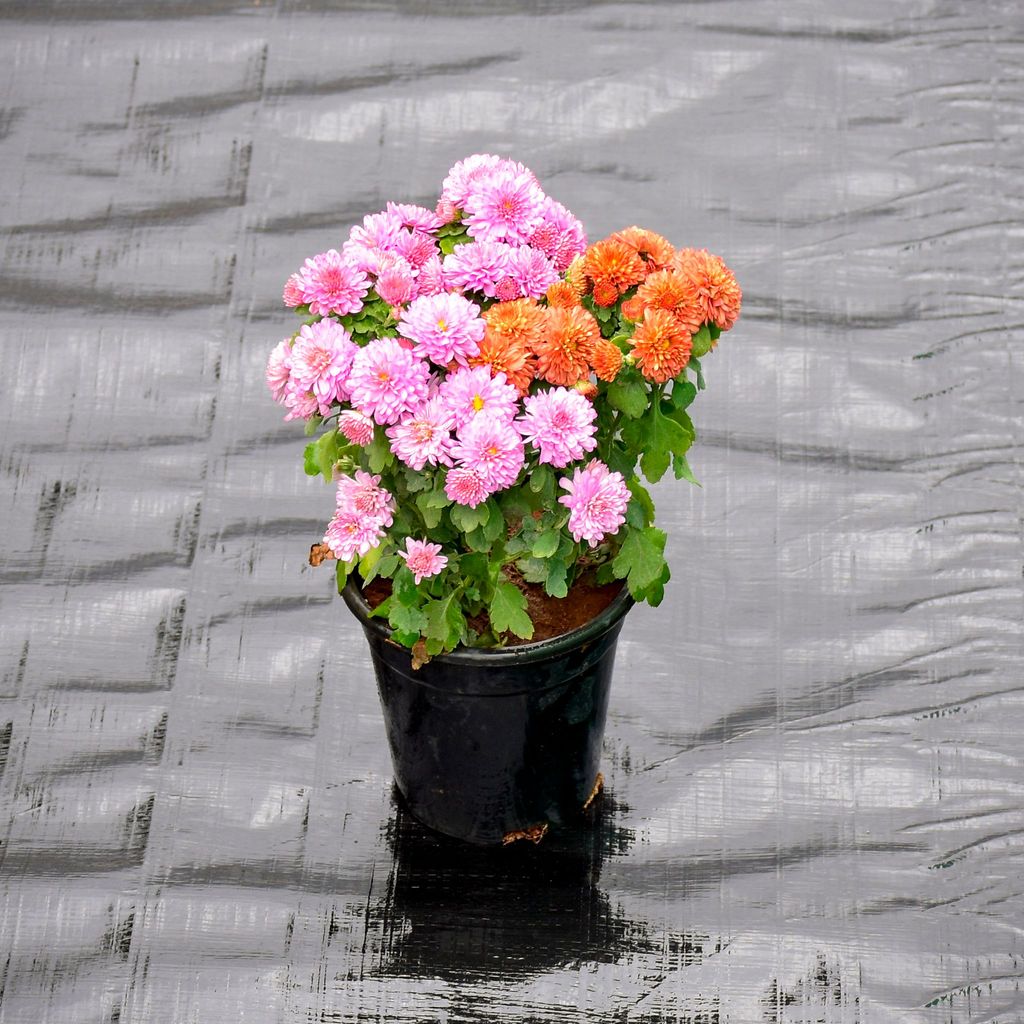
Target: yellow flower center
point(478, 403)
point(442, 325)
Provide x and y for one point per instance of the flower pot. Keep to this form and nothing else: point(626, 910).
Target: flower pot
point(487, 743)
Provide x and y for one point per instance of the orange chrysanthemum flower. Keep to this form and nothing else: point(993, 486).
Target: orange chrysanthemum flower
point(661, 345)
point(575, 276)
point(508, 356)
point(566, 345)
point(521, 319)
point(606, 360)
point(562, 293)
point(613, 267)
point(605, 292)
point(716, 292)
point(674, 293)
point(652, 248)
point(513, 329)
point(633, 309)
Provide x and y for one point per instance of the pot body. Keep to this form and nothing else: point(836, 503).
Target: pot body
point(486, 742)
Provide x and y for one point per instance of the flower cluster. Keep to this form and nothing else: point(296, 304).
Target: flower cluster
point(490, 390)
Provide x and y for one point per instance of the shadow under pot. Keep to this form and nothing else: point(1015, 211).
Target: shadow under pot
point(493, 744)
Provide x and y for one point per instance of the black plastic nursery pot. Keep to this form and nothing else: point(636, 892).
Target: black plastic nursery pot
point(487, 743)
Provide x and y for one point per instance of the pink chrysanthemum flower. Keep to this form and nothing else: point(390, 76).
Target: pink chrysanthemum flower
point(597, 501)
point(415, 247)
point(387, 380)
point(412, 216)
point(560, 235)
point(396, 283)
point(378, 230)
point(363, 258)
point(444, 327)
point(507, 208)
point(378, 261)
point(465, 177)
point(279, 370)
point(330, 284)
point(559, 423)
point(465, 487)
point(508, 289)
point(468, 392)
point(292, 294)
point(321, 360)
point(423, 558)
point(424, 435)
point(446, 211)
point(477, 266)
point(491, 447)
point(356, 426)
point(532, 272)
point(350, 534)
point(363, 493)
point(301, 403)
point(430, 279)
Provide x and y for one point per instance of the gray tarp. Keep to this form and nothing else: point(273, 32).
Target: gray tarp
point(815, 788)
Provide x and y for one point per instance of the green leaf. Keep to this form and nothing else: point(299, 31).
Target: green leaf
point(533, 570)
point(701, 343)
point(445, 624)
point(309, 460)
point(694, 364)
point(682, 417)
point(683, 392)
point(435, 498)
point(628, 396)
point(378, 451)
point(476, 540)
point(507, 611)
point(431, 515)
point(407, 618)
point(368, 564)
point(385, 567)
point(415, 481)
point(468, 519)
point(662, 437)
point(404, 588)
point(341, 572)
point(405, 637)
point(474, 567)
point(546, 544)
point(641, 501)
point(621, 459)
point(557, 585)
point(323, 453)
point(494, 526)
point(641, 559)
point(312, 424)
point(682, 470)
point(541, 477)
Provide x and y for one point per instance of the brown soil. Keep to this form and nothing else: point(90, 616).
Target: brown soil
point(551, 616)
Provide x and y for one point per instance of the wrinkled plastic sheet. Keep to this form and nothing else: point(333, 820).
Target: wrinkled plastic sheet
point(813, 756)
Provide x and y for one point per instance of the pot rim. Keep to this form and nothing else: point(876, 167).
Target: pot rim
point(493, 657)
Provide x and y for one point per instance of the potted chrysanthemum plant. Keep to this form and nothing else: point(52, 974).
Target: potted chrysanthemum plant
point(490, 394)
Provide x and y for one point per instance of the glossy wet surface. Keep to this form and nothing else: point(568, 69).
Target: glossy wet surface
point(813, 756)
